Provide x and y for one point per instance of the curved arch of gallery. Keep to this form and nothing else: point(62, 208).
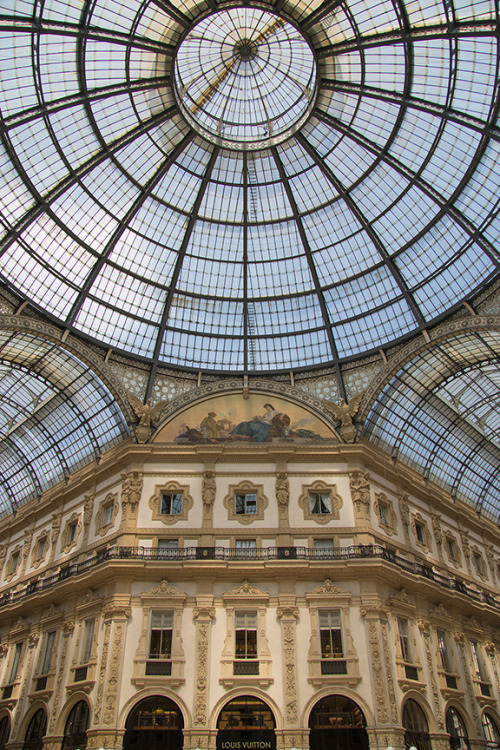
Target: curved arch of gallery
point(344, 692)
point(151, 692)
point(463, 714)
point(428, 710)
point(30, 713)
point(249, 692)
point(66, 709)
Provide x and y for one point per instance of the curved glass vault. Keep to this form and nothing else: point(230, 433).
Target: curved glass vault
point(56, 415)
point(161, 194)
point(440, 413)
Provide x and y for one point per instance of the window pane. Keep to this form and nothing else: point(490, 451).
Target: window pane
point(161, 635)
point(319, 502)
point(47, 652)
point(88, 636)
point(171, 503)
point(245, 503)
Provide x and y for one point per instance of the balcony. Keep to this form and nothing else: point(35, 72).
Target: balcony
point(212, 555)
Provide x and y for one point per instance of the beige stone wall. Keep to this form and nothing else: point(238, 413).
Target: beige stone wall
point(373, 503)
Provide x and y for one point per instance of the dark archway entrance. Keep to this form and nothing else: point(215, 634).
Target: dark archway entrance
point(75, 731)
point(155, 723)
point(246, 723)
point(416, 726)
point(33, 739)
point(337, 723)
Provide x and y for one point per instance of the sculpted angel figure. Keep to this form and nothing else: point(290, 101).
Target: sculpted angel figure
point(345, 413)
point(147, 415)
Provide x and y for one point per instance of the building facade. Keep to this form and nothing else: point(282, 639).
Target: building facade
point(212, 589)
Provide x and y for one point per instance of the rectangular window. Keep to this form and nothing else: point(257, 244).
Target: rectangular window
point(404, 640)
point(245, 548)
point(71, 533)
point(444, 650)
point(330, 633)
point(108, 514)
point(323, 548)
point(171, 503)
point(14, 562)
point(478, 661)
point(245, 503)
point(48, 648)
point(478, 563)
point(88, 637)
point(452, 552)
point(42, 544)
point(160, 644)
point(15, 662)
point(383, 514)
point(168, 547)
point(419, 531)
point(246, 635)
point(319, 502)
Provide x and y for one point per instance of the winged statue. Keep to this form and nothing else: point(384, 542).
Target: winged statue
point(346, 413)
point(147, 415)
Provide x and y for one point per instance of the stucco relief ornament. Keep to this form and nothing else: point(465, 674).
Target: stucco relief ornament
point(282, 489)
point(346, 413)
point(88, 505)
point(147, 416)
point(208, 489)
point(360, 490)
point(131, 488)
point(327, 587)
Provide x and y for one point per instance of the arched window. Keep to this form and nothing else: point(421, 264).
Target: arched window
point(416, 726)
point(4, 731)
point(246, 714)
point(33, 739)
point(337, 723)
point(459, 739)
point(154, 723)
point(75, 731)
point(491, 732)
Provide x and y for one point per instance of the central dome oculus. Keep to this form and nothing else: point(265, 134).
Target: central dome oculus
point(245, 78)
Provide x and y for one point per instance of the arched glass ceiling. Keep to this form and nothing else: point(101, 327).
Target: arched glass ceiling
point(56, 415)
point(129, 223)
point(440, 413)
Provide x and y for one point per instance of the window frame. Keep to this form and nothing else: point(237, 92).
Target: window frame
point(171, 503)
point(16, 660)
point(249, 639)
point(243, 505)
point(157, 499)
point(405, 640)
point(334, 634)
point(320, 487)
point(160, 628)
point(88, 633)
point(245, 488)
point(47, 653)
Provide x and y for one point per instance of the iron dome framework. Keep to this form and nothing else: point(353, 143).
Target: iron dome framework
point(128, 223)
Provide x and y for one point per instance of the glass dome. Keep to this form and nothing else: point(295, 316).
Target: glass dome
point(240, 187)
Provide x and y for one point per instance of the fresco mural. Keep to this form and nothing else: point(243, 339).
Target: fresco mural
point(258, 419)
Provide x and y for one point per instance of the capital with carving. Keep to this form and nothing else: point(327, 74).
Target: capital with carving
point(287, 613)
point(204, 613)
point(33, 639)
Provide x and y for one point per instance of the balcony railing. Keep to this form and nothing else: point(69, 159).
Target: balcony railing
point(282, 556)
